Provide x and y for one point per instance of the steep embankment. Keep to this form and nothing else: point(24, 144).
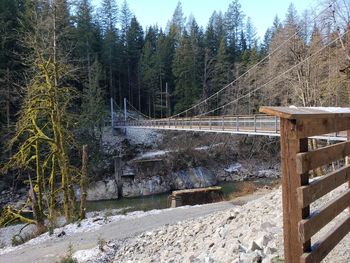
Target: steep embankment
point(248, 233)
point(47, 249)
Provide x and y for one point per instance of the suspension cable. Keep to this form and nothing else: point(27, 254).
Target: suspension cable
point(254, 66)
point(278, 76)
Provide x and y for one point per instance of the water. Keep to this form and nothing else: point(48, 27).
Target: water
point(160, 201)
point(143, 203)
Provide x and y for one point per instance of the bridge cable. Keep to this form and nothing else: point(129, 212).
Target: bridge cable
point(137, 111)
point(273, 79)
point(254, 66)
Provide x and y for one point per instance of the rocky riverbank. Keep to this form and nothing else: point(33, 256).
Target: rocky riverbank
point(150, 163)
point(244, 234)
point(196, 177)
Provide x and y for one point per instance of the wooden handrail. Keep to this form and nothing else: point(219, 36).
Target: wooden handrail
point(299, 225)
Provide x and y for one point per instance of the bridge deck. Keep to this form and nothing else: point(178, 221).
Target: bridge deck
point(261, 125)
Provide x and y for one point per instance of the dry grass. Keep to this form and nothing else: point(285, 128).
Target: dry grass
point(245, 188)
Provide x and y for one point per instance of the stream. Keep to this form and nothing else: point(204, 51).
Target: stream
point(160, 201)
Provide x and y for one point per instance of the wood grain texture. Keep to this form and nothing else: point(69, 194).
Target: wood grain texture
point(319, 157)
point(309, 227)
point(322, 248)
point(320, 126)
point(292, 214)
point(293, 113)
point(320, 187)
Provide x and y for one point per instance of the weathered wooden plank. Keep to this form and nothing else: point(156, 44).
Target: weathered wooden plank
point(320, 126)
point(293, 113)
point(292, 213)
point(321, 249)
point(347, 159)
point(310, 226)
point(319, 157)
point(316, 189)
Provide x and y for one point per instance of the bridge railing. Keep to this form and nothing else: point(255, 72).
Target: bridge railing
point(255, 123)
point(299, 223)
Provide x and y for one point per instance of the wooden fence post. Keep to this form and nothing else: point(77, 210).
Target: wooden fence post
point(292, 214)
point(347, 158)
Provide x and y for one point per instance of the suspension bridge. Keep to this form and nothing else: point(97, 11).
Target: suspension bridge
point(199, 120)
point(258, 124)
point(294, 125)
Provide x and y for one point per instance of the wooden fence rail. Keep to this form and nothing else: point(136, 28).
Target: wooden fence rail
point(299, 225)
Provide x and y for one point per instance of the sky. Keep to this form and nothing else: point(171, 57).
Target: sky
point(262, 12)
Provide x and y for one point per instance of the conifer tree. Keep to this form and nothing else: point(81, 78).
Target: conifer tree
point(134, 43)
point(149, 70)
point(108, 20)
point(186, 64)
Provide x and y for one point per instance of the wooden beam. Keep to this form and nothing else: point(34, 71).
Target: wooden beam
point(319, 157)
point(347, 158)
point(313, 126)
point(292, 214)
point(310, 226)
point(293, 113)
point(322, 248)
point(318, 188)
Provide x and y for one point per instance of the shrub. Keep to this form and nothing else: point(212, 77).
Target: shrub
point(101, 243)
point(18, 239)
point(69, 256)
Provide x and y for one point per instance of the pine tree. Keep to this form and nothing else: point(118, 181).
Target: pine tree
point(88, 38)
point(186, 64)
point(149, 71)
point(93, 105)
point(165, 53)
point(125, 17)
point(222, 70)
point(108, 20)
point(250, 34)
point(177, 23)
point(134, 44)
point(10, 64)
point(233, 24)
point(214, 33)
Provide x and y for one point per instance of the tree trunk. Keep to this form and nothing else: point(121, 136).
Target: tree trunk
point(83, 183)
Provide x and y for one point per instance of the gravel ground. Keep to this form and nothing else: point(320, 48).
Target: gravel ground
point(248, 233)
point(221, 232)
point(47, 249)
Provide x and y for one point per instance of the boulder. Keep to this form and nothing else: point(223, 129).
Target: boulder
point(102, 190)
point(194, 178)
point(144, 187)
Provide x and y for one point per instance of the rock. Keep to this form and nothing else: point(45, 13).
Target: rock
point(262, 240)
point(269, 250)
point(268, 173)
point(254, 246)
point(61, 234)
point(254, 257)
point(102, 190)
point(144, 187)
point(208, 260)
point(194, 178)
point(2, 187)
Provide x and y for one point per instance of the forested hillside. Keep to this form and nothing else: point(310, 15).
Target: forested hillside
point(162, 71)
point(61, 61)
point(112, 55)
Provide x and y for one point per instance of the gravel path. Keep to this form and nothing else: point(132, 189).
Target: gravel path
point(52, 249)
point(251, 233)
